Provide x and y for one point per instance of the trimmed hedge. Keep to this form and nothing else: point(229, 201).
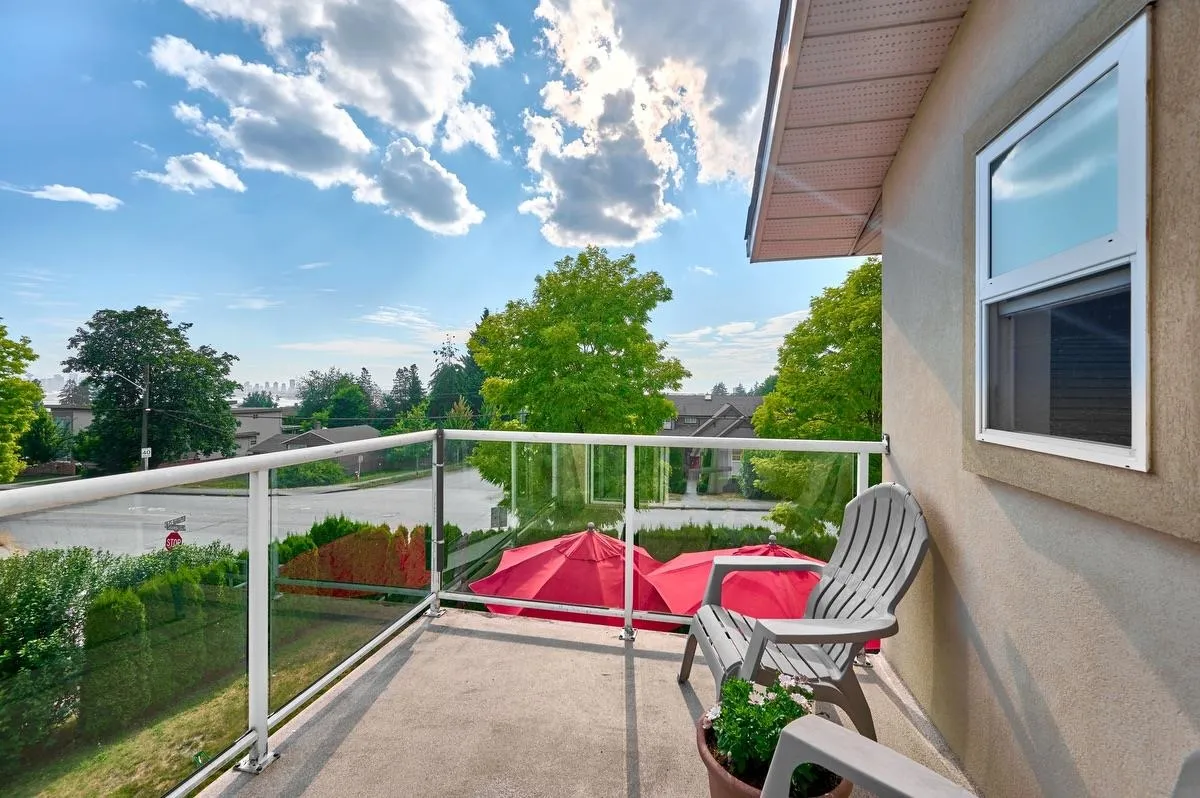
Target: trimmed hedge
point(677, 481)
point(114, 689)
point(175, 627)
point(321, 472)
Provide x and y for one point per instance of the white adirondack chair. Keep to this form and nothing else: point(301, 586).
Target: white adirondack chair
point(880, 547)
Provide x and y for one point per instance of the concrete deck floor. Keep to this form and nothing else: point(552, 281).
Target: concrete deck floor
point(487, 706)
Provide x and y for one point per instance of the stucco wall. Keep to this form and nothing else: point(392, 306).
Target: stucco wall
point(1056, 648)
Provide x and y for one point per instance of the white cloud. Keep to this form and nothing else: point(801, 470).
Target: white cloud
point(60, 193)
point(145, 147)
point(403, 63)
point(195, 171)
point(141, 84)
point(317, 264)
point(412, 184)
point(470, 124)
point(188, 114)
point(174, 302)
point(408, 316)
point(406, 64)
point(362, 347)
point(707, 272)
point(492, 50)
point(252, 300)
point(738, 350)
point(631, 73)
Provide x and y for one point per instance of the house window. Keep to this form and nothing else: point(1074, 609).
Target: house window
point(735, 455)
point(669, 424)
point(1061, 267)
point(690, 420)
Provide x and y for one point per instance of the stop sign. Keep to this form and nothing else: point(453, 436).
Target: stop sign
point(173, 540)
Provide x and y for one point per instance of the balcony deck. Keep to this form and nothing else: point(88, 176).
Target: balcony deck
point(472, 704)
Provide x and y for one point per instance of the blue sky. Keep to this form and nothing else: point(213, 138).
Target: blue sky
point(319, 183)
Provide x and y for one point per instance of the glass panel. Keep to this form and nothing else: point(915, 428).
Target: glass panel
point(1057, 187)
point(122, 641)
point(1063, 367)
point(714, 506)
point(539, 547)
point(350, 557)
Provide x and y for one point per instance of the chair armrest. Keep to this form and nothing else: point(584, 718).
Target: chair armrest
point(813, 631)
point(723, 566)
point(830, 630)
point(864, 762)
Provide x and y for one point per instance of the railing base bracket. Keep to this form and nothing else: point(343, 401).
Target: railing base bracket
point(434, 612)
point(627, 634)
point(256, 766)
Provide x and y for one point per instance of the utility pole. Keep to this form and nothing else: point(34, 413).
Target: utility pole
point(145, 415)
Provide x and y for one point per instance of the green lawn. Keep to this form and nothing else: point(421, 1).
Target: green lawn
point(153, 759)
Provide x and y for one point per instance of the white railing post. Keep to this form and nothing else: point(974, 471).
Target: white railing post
point(258, 620)
point(554, 470)
point(864, 472)
point(437, 549)
point(512, 502)
point(628, 632)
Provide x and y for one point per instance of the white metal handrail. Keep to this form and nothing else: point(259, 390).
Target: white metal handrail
point(668, 441)
point(36, 498)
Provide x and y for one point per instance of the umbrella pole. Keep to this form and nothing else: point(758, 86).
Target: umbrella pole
point(628, 632)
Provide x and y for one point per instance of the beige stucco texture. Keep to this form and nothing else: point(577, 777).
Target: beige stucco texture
point(1053, 635)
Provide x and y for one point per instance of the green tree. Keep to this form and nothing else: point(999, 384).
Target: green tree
point(719, 390)
point(739, 390)
point(456, 376)
point(316, 389)
point(75, 393)
point(371, 390)
point(461, 416)
point(830, 387)
point(578, 356)
point(43, 440)
point(765, 387)
point(259, 399)
point(189, 388)
point(348, 407)
point(19, 400)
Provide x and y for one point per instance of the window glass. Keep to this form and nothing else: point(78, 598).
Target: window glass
point(1057, 187)
point(1060, 361)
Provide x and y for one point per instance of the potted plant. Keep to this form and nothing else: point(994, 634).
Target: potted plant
point(737, 739)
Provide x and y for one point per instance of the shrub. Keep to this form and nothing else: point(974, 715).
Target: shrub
point(702, 484)
point(127, 570)
point(42, 596)
point(748, 480)
point(113, 690)
point(175, 624)
point(294, 545)
point(321, 472)
point(333, 527)
point(677, 481)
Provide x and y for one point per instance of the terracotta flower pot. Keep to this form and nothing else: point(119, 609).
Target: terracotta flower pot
point(723, 784)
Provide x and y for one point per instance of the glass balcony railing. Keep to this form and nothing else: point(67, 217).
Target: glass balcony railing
point(156, 626)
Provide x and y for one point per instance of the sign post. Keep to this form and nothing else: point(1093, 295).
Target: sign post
point(174, 527)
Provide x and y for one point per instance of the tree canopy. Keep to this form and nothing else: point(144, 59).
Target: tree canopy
point(578, 356)
point(830, 387)
point(190, 388)
point(75, 393)
point(259, 399)
point(44, 440)
point(19, 400)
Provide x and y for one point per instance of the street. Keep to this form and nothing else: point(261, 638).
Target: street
point(134, 524)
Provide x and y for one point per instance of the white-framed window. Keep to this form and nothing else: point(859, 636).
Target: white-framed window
point(669, 424)
point(1060, 254)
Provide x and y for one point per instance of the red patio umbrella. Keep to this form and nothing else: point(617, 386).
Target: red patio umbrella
point(759, 594)
point(584, 568)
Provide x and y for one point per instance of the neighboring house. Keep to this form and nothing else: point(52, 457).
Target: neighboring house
point(325, 436)
point(1029, 172)
point(257, 424)
point(702, 415)
point(76, 418)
